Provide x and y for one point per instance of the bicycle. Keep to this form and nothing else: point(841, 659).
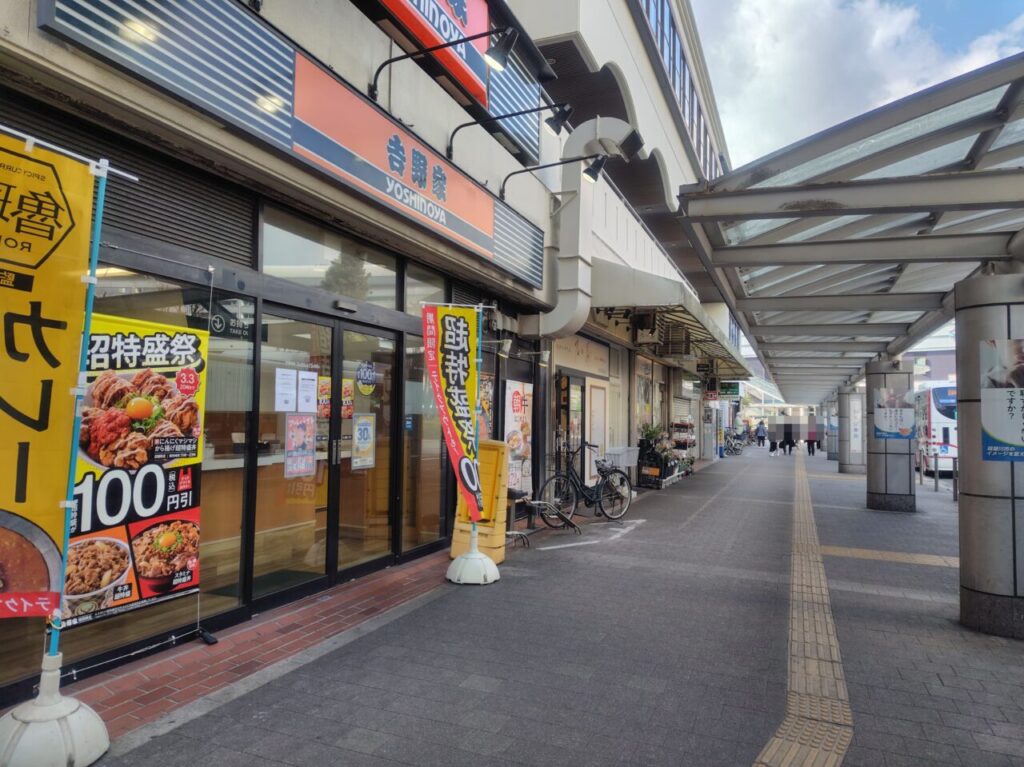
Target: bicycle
point(612, 494)
point(732, 445)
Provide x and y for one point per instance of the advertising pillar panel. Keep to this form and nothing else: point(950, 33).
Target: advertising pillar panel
point(890, 437)
point(851, 431)
point(990, 425)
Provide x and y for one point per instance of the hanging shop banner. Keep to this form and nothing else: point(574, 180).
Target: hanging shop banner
point(856, 425)
point(486, 405)
point(450, 337)
point(894, 415)
point(45, 218)
point(135, 528)
point(323, 397)
point(299, 446)
point(1002, 400)
point(519, 434)
point(348, 397)
point(364, 430)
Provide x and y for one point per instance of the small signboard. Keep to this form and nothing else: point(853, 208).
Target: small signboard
point(704, 367)
point(729, 388)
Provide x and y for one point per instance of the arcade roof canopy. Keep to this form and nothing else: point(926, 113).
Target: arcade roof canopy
point(846, 245)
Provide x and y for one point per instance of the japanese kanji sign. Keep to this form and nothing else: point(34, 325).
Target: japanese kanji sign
point(45, 218)
point(451, 347)
point(1002, 399)
point(894, 414)
point(135, 526)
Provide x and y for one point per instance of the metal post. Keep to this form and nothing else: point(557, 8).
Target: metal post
point(956, 479)
point(935, 471)
point(920, 467)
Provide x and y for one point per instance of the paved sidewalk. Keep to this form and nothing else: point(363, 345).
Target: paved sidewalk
point(662, 641)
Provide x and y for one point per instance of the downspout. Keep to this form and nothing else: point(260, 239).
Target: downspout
point(573, 227)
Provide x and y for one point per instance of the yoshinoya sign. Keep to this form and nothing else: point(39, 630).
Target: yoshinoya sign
point(305, 110)
point(435, 22)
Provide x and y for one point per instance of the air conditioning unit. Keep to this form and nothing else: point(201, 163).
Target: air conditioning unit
point(646, 337)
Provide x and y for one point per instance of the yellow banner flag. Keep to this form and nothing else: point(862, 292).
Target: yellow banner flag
point(45, 221)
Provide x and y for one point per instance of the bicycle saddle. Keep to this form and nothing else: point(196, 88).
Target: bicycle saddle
point(517, 495)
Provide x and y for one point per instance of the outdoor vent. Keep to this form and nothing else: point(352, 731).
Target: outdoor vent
point(675, 341)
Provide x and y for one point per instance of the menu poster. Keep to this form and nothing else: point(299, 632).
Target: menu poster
point(856, 424)
point(300, 446)
point(519, 434)
point(894, 415)
point(285, 382)
point(1002, 400)
point(45, 216)
point(135, 529)
point(486, 405)
point(323, 397)
point(348, 397)
point(364, 429)
point(307, 397)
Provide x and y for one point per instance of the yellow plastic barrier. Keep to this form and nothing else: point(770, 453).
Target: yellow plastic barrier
point(491, 527)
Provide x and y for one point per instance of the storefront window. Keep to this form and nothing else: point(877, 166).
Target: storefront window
point(304, 252)
point(422, 470)
point(422, 287)
point(126, 294)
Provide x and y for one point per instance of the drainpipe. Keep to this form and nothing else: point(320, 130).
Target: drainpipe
point(573, 229)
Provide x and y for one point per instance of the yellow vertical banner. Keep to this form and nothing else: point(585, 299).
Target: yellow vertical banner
point(45, 221)
point(451, 343)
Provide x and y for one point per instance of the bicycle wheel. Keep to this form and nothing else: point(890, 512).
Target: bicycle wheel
point(615, 495)
point(559, 492)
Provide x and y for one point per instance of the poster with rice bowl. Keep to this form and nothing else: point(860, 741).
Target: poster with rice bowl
point(135, 530)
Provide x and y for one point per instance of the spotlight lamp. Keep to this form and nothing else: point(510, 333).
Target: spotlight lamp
point(545, 358)
point(505, 348)
point(496, 56)
point(553, 123)
point(531, 169)
point(558, 120)
point(593, 172)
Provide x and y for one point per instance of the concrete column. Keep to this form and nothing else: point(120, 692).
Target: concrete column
point(991, 521)
point(851, 431)
point(890, 461)
point(832, 430)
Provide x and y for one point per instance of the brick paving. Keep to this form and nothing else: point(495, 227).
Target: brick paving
point(661, 642)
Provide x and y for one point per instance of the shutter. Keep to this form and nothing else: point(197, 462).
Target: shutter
point(466, 294)
point(172, 202)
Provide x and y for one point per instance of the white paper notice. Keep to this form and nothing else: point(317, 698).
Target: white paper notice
point(284, 389)
point(307, 391)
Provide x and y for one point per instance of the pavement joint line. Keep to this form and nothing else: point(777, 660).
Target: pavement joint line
point(204, 705)
point(905, 557)
point(818, 726)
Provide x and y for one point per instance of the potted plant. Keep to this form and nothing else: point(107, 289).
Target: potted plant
point(648, 433)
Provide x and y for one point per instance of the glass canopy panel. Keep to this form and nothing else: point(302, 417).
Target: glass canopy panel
point(820, 229)
point(888, 223)
point(963, 217)
point(746, 230)
point(1010, 134)
point(919, 126)
point(925, 162)
point(1015, 163)
point(1002, 226)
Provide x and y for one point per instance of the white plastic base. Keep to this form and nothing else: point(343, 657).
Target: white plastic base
point(51, 730)
point(473, 567)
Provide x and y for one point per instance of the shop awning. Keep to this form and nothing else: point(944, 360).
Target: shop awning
point(680, 330)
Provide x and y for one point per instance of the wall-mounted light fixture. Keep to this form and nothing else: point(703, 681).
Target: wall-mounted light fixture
point(543, 357)
point(504, 347)
point(501, 189)
point(593, 172)
point(496, 56)
point(554, 123)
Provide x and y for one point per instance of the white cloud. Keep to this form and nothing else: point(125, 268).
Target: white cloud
point(785, 69)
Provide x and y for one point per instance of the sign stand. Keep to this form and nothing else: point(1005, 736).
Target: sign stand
point(52, 730)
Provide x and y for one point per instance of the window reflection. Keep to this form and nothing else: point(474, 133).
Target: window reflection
point(304, 252)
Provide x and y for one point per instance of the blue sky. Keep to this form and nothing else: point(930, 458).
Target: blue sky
point(785, 69)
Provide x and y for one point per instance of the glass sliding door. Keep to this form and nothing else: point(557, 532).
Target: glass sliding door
point(293, 473)
point(422, 468)
point(367, 405)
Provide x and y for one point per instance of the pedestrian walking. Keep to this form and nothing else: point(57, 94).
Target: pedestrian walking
point(761, 433)
point(773, 449)
point(810, 447)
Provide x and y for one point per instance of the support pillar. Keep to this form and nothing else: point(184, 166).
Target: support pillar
point(988, 308)
point(890, 461)
point(851, 431)
point(831, 430)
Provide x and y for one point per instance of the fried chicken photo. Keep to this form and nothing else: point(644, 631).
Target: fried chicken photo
point(164, 429)
point(108, 389)
point(131, 451)
point(182, 411)
point(105, 428)
point(89, 414)
point(148, 383)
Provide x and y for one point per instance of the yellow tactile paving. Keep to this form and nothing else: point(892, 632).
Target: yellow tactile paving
point(818, 726)
point(906, 557)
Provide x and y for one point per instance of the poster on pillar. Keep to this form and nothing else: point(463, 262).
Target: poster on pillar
point(1002, 399)
point(894, 413)
point(856, 416)
point(518, 437)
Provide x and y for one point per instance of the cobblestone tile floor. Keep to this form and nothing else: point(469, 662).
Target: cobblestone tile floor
point(664, 641)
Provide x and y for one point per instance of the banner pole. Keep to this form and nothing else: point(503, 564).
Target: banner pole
point(100, 170)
